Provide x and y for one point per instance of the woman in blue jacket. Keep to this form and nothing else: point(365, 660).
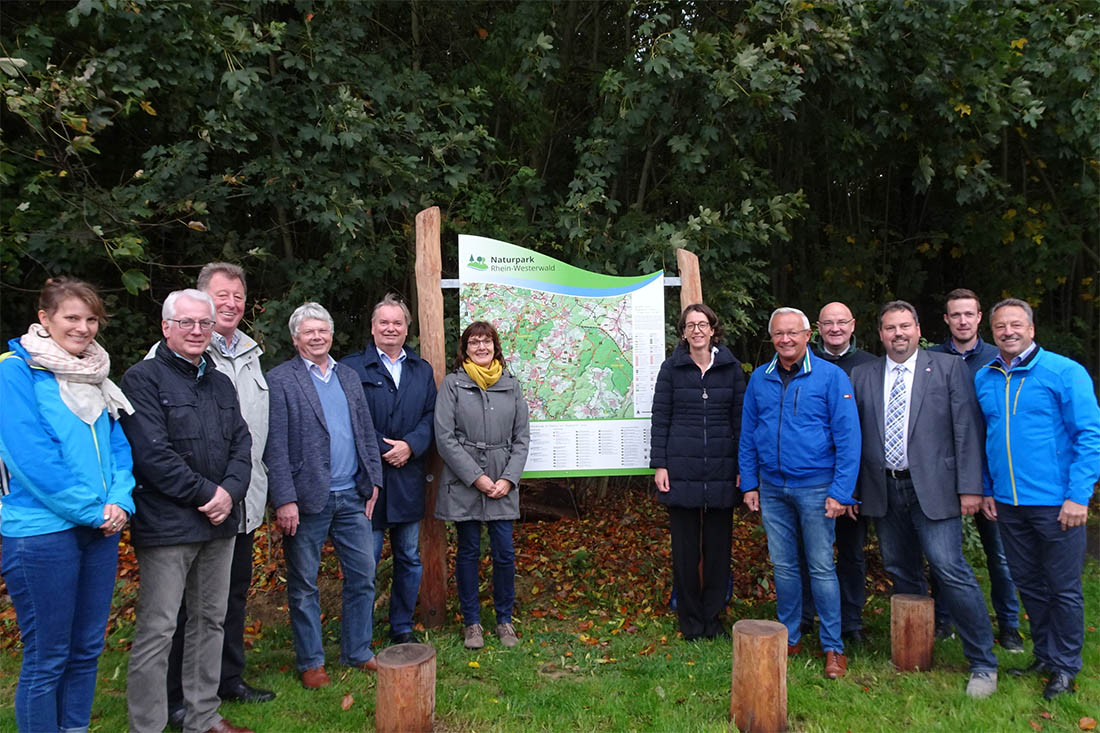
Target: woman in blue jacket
point(70, 486)
point(695, 429)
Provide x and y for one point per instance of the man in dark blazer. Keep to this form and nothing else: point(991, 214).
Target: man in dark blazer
point(920, 470)
point(323, 477)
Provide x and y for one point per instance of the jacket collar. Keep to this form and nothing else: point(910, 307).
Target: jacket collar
point(807, 364)
point(1025, 365)
point(165, 355)
point(681, 356)
point(949, 347)
point(818, 347)
point(370, 354)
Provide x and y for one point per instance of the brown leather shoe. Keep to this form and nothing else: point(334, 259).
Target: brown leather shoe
point(224, 726)
point(371, 665)
point(836, 665)
point(793, 649)
point(315, 678)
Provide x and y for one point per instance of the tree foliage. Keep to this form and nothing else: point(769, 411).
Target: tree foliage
point(806, 151)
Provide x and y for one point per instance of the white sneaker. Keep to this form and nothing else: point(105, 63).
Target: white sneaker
point(981, 685)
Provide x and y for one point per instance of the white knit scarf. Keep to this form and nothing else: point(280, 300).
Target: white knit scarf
point(81, 380)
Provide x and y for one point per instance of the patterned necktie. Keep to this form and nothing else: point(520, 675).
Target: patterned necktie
point(895, 420)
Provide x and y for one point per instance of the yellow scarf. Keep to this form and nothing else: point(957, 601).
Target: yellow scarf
point(484, 377)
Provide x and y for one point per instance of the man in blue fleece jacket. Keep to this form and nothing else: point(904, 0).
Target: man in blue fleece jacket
point(1043, 450)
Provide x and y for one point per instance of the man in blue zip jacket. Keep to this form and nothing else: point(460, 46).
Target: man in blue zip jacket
point(400, 390)
point(1043, 450)
point(963, 315)
point(799, 458)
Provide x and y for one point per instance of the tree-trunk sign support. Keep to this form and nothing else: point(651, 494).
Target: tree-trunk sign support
point(429, 294)
point(758, 688)
point(912, 631)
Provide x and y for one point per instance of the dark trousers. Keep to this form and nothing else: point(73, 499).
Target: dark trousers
point(851, 573)
point(700, 534)
point(1046, 564)
point(240, 578)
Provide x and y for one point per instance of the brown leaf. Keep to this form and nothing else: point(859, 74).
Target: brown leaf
point(1035, 725)
point(1086, 723)
point(198, 226)
point(347, 702)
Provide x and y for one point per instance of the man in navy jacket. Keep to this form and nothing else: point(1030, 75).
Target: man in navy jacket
point(400, 390)
point(963, 315)
point(193, 462)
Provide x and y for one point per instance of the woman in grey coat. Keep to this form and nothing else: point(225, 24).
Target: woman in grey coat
point(482, 433)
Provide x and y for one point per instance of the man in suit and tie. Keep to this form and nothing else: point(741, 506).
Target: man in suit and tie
point(920, 470)
point(323, 477)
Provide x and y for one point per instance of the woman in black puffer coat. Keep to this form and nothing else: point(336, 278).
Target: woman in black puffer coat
point(696, 427)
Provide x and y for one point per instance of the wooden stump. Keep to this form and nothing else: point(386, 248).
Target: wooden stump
point(758, 690)
point(406, 689)
point(912, 631)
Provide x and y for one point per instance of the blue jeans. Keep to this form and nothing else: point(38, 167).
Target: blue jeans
point(903, 534)
point(467, 558)
point(1002, 591)
point(61, 585)
point(794, 518)
point(851, 573)
point(1047, 564)
point(343, 520)
point(405, 547)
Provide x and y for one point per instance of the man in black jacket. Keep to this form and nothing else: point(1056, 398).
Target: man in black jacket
point(192, 462)
point(835, 326)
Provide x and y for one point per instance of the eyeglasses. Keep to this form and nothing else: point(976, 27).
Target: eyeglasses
point(788, 334)
point(829, 324)
point(700, 326)
point(187, 324)
point(313, 332)
point(480, 342)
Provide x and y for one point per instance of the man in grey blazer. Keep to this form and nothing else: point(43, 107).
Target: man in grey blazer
point(920, 470)
point(323, 477)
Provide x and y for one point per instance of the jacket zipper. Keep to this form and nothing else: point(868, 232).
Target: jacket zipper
point(703, 379)
point(779, 426)
point(99, 461)
point(1008, 438)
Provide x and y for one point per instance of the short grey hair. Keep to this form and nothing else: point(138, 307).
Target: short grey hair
point(168, 310)
point(210, 269)
point(898, 305)
point(781, 311)
point(389, 301)
point(306, 311)
point(1015, 302)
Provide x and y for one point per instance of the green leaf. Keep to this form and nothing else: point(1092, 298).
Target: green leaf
point(135, 281)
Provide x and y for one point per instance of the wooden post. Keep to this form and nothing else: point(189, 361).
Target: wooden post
point(429, 298)
point(406, 689)
point(691, 288)
point(758, 689)
point(912, 631)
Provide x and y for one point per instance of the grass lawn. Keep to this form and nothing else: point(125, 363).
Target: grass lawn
point(600, 651)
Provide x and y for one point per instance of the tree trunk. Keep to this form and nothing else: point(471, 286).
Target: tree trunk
point(912, 631)
point(758, 688)
point(406, 689)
